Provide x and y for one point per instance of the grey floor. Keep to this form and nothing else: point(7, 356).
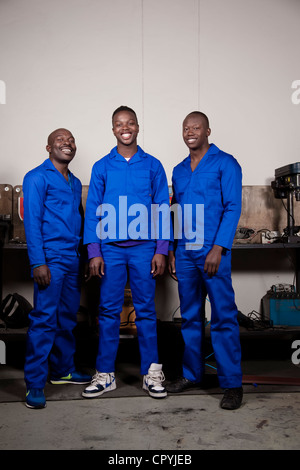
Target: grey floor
point(266, 421)
point(127, 419)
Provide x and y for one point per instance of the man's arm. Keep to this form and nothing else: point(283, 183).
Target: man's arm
point(231, 188)
point(213, 260)
point(94, 200)
point(96, 261)
point(42, 275)
point(34, 190)
point(171, 264)
point(160, 196)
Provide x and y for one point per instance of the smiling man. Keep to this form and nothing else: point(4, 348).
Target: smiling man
point(213, 178)
point(126, 172)
point(53, 221)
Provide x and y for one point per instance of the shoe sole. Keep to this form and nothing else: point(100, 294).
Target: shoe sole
point(226, 406)
point(182, 391)
point(190, 387)
point(154, 394)
point(59, 382)
point(97, 394)
point(35, 407)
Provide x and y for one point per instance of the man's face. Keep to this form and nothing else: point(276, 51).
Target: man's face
point(195, 132)
point(61, 146)
point(125, 127)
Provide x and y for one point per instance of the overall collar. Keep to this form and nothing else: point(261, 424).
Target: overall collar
point(139, 155)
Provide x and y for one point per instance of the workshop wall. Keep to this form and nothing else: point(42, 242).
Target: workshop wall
point(70, 64)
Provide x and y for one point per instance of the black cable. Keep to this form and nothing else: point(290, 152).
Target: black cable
point(128, 322)
point(288, 212)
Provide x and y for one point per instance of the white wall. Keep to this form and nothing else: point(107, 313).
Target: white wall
point(71, 63)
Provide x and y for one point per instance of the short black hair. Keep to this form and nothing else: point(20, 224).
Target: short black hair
point(124, 108)
point(199, 113)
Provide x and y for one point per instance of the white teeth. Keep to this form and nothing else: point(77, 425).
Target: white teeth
point(66, 150)
point(126, 136)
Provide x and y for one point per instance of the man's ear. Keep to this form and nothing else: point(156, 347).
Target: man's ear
point(48, 148)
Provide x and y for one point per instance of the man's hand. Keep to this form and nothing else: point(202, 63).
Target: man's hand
point(96, 268)
point(42, 275)
point(171, 265)
point(158, 265)
point(213, 260)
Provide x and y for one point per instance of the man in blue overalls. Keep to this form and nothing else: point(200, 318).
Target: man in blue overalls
point(213, 179)
point(53, 221)
point(125, 181)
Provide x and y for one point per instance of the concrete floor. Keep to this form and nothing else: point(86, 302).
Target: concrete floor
point(266, 421)
point(127, 419)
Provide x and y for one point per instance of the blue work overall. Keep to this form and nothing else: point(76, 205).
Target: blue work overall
point(53, 227)
point(215, 183)
point(141, 180)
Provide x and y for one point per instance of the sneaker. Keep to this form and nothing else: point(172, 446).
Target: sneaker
point(232, 398)
point(180, 385)
point(101, 382)
point(152, 382)
point(35, 398)
point(72, 378)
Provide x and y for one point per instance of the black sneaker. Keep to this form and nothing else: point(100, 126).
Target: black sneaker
point(232, 398)
point(180, 385)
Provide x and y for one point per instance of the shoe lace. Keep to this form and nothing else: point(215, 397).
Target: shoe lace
point(99, 377)
point(156, 377)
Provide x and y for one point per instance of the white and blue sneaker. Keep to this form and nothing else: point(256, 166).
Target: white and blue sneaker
point(101, 382)
point(152, 382)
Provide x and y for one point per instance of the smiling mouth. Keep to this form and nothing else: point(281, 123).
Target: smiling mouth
point(66, 150)
point(126, 135)
point(191, 141)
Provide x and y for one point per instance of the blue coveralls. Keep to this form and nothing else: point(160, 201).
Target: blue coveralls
point(53, 221)
point(216, 182)
point(143, 181)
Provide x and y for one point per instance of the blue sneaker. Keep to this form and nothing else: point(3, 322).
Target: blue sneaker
point(72, 378)
point(102, 382)
point(35, 398)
